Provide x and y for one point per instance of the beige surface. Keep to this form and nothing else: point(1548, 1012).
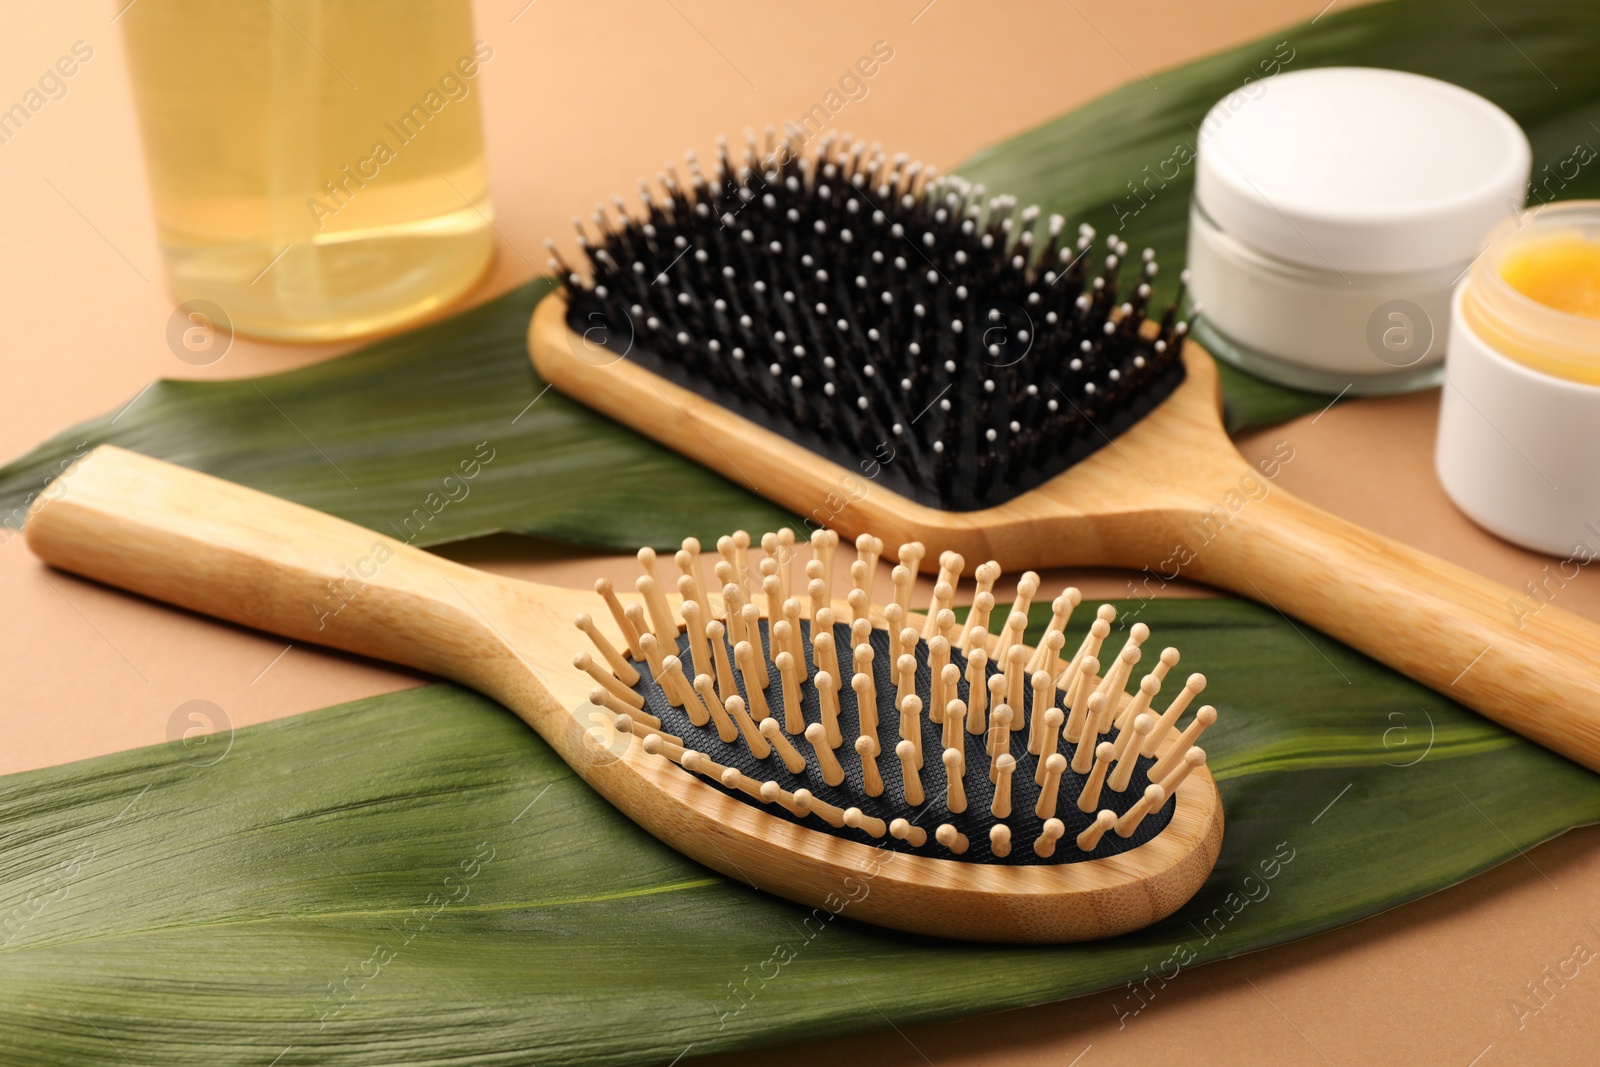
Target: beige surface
point(580, 100)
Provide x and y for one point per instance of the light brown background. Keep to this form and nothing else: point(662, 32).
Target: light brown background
point(580, 100)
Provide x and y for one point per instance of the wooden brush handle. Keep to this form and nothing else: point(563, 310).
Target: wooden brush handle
point(1446, 627)
point(212, 546)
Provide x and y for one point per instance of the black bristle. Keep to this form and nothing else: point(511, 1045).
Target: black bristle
point(865, 309)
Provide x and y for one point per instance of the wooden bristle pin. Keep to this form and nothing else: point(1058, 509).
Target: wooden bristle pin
point(792, 719)
point(694, 624)
point(828, 701)
point(786, 560)
point(1089, 840)
point(634, 613)
point(733, 778)
point(719, 656)
point(866, 701)
point(584, 662)
point(997, 698)
point(1016, 675)
point(1089, 798)
point(690, 547)
point(824, 656)
point(661, 618)
point(984, 577)
point(1045, 844)
point(741, 555)
point(790, 755)
point(951, 838)
point(1027, 588)
point(638, 716)
point(911, 778)
point(860, 635)
point(1169, 718)
point(1043, 694)
point(719, 713)
point(1099, 714)
point(752, 629)
point(1192, 761)
point(1197, 726)
point(791, 615)
point(1154, 797)
point(656, 745)
point(815, 805)
point(620, 667)
point(977, 691)
point(955, 773)
point(1000, 840)
point(903, 577)
point(658, 671)
point(1099, 630)
point(914, 836)
point(999, 739)
point(747, 726)
point(671, 680)
point(1052, 645)
point(869, 824)
point(938, 659)
point(832, 771)
point(861, 579)
point(751, 670)
point(911, 725)
point(867, 750)
point(704, 695)
point(1051, 733)
point(1128, 756)
point(1090, 736)
point(893, 616)
point(772, 591)
point(905, 673)
point(1078, 719)
point(860, 609)
point(1115, 682)
point(733, 615)
point(1050, 791)
point(943, 593)
point(1004, 765)
point(955, 717)
point(630, 636)
point(822, 546)
point(868, 551)
point(1169, 659)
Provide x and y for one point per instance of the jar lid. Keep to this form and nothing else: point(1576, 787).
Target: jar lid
point(1360, 169)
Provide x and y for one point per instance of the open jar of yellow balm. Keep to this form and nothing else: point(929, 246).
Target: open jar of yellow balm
point(1519, 420)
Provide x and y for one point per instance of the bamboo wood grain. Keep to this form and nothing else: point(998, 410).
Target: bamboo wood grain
point(219, 548)
point(1172, 495)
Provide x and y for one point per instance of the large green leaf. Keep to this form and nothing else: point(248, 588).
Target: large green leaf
point(371, 435)
point(167, 906)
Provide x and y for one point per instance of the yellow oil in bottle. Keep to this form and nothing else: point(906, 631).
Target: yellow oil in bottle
point(316, 165)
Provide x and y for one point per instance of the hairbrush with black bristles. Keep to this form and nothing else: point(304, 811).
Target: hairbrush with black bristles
point(901, 763)
point(880, 349)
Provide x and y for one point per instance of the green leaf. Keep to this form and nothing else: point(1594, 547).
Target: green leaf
point(312, 895)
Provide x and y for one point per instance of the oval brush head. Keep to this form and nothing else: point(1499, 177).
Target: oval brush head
point(930, 732)
point(866, 308)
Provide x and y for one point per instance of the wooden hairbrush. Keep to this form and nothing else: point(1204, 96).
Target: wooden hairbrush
point(881, 350)
point(898, 767)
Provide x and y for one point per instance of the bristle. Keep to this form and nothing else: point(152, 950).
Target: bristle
point(1169, 718)
point(730, 700)
point(854, 301)
point(630, 636)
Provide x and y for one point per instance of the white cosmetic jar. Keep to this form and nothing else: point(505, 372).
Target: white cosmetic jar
point(1334, 209)
point(1519, 418)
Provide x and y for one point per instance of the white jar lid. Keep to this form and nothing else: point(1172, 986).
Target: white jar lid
point(1360, 169)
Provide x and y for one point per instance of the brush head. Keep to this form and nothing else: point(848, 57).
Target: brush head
point(897, 728)
point(878, 315)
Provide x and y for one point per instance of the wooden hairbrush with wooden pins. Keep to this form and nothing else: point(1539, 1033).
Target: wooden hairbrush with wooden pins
point(900, 767)
point(879, 349)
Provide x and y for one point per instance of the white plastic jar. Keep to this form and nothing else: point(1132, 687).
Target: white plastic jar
point(1519, 417)
point(1334, 209)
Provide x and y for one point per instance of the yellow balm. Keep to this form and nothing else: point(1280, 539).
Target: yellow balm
point(1560, 270)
